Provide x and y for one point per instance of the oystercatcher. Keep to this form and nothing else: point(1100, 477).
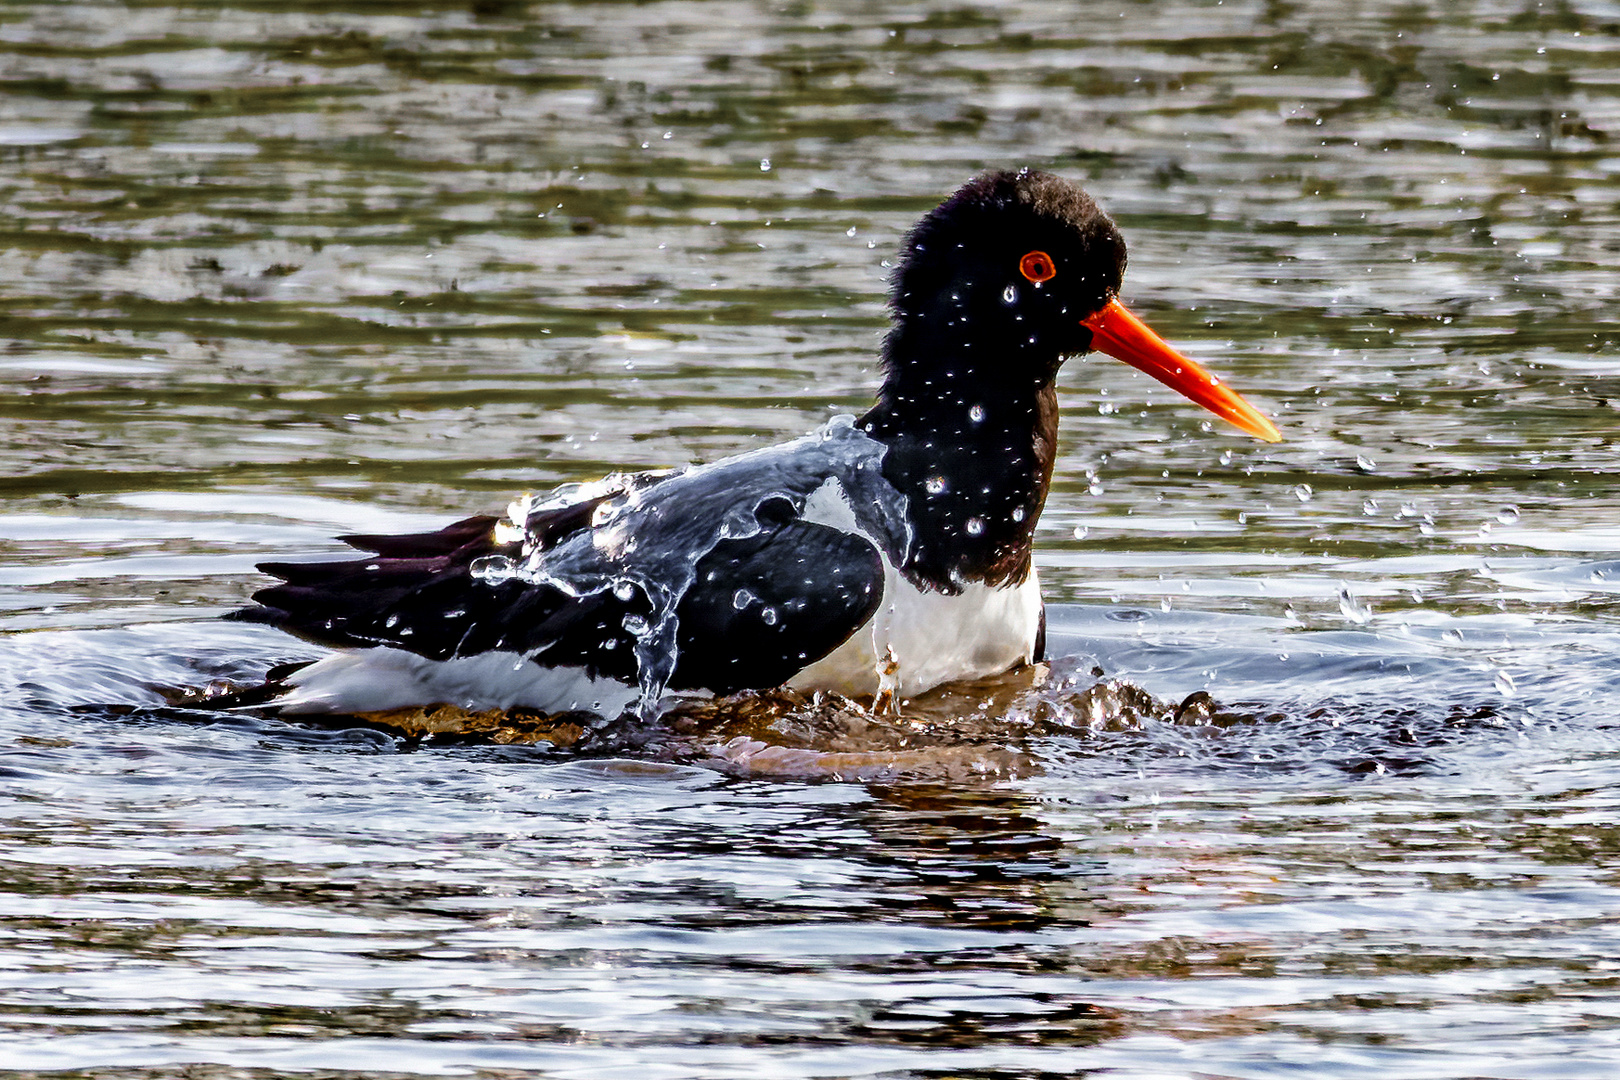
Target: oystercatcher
point(880, 556)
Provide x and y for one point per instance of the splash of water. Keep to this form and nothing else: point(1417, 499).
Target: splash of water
point(651, 530)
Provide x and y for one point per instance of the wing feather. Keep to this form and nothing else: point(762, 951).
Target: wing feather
point(759, 609)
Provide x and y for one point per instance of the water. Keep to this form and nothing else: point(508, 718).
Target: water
point(277, 271)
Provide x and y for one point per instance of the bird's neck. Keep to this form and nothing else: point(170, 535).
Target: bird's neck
point(971, 440)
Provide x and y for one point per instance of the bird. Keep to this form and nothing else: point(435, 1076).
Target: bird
point(882, 555)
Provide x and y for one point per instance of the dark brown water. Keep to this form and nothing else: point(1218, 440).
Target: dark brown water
point(273, 271)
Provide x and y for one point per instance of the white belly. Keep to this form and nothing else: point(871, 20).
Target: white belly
point(382, 679)
point(933, 638)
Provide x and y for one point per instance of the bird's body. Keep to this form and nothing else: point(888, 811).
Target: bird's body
point(884, 555)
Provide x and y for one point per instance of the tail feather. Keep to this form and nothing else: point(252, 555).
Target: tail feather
point(418, 593)
point(445, 541)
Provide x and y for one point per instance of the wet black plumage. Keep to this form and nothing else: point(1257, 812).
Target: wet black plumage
point(420, 594)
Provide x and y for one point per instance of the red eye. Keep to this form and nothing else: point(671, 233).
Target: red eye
point(1037, 266)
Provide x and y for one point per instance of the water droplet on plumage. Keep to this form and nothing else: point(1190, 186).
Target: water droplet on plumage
point(742, 598)
point(1508, 515)
point(974, 526)
point(1357, 611)
point(493, 568)
point(976, 414)
point(739, 524)
point(934, 485)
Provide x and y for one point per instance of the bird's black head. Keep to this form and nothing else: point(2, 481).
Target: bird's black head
point(1008, 265)
point(997, 285)
point(1004, 279)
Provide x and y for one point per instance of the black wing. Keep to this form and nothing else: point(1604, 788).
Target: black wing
point(760, 608)
point(763, 608)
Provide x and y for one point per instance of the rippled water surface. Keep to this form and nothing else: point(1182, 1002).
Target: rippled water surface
point(273, 271)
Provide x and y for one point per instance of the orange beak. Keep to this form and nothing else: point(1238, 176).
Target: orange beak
point(1123, 336)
